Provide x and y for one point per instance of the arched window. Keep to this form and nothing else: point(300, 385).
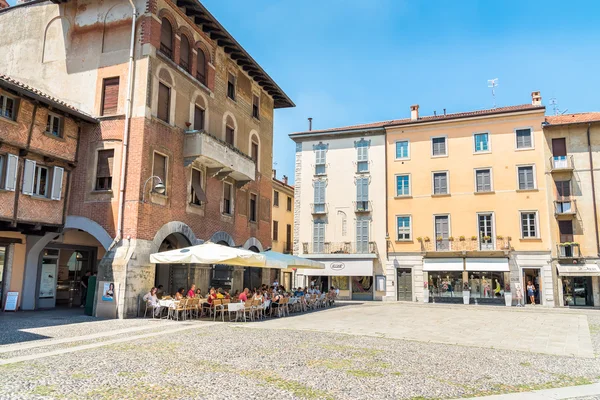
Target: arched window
point(254, 150)
point(201, 67)
point(230, 131)
point(166, 38)
point(184, 54)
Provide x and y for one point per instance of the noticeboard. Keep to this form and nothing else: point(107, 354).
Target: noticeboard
point(11, 301)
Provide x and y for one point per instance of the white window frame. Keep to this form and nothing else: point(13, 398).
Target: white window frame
point(532, 138)
point(535, 186)
point(230, 200)
point(491, 178)
point(493, 214)
point(489, 142)
point(431, 145)
point(410, 230)
point(60, 124)
point(36, 181)
point(433, 183)
point(3, 105)
point(409, 185)
point(537, 224)
point(407, 149)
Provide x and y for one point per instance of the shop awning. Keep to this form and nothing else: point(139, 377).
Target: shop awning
point(283, 261)
point(443, 264)
point(210, 253)
point(579, 270)
point(487, 264)
point(341, 267)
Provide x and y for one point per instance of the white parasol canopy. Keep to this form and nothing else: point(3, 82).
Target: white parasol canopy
point(210, 253)
point(280, 260)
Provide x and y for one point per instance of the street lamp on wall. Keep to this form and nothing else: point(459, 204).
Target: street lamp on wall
point(159, 188)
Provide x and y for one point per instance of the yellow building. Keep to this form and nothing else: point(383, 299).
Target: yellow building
point(572, 145)
point(282, 222)
point(467, 215)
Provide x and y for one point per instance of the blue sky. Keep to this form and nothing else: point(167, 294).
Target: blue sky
point(354, 61)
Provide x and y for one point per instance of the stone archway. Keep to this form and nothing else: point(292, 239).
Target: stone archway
point(173, 227)
point(222, 236)
point(254, 242)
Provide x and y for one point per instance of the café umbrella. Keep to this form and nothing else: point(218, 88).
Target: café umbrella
point(284, 261)
point(210, 253)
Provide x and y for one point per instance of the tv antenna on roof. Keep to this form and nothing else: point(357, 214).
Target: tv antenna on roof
point(493, 83)
point(555, 108)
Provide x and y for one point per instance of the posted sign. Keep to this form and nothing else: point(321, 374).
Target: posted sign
point(11, 301)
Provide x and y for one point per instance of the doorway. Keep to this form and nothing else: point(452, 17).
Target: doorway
point(404, 284)
point(533, 275)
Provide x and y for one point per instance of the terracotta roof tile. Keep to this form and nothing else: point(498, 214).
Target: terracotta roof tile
point(428, 118)
point(573, 118)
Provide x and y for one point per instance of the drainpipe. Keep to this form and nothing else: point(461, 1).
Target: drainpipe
point(593, 189)
point(126, 131)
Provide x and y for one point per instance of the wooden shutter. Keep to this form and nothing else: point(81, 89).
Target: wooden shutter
point(441, 227)
point(12, 163)
point(275, 230)
point(201, 67)
point(57, 183)
point(28, 177)
point(110, 96)
point(166, 36)
point(184, 53)
point(105, 163)
point(363, 154)
point(288, 234)
point(524, 138)
point(559, 147)
point(197, 190)
point(563, 189)
point(198, 118)
point(164, 102)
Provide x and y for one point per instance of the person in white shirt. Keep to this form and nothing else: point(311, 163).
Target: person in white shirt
point(152, 300)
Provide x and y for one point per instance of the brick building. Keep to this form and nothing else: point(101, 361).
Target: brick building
point(187, 109)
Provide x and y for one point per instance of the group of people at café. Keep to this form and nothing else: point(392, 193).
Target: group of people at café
point(275, 293)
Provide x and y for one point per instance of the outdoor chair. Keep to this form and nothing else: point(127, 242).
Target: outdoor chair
point(218, 307)
point(249, 310)
point(179, 308)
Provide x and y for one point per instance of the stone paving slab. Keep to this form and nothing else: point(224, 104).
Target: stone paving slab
point(557, 333)
point(584, 392)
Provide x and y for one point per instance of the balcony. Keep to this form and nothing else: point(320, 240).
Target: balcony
point(561, 164)
point(221, 159)
point(318, 208)
point(473, 247)
point(565, 209)
point(568, 251)
point(363, 207)
point(340, 248)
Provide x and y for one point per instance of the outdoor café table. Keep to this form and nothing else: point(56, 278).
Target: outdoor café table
point(236, 308)
point(168, 304)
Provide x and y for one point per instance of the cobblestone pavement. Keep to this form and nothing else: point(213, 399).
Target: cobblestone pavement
point(280, 360)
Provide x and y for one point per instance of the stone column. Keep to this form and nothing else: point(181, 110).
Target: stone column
point(238, 279)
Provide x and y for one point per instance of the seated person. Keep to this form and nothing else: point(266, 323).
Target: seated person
point(192, 292)
point(160, 291)
point(199, 294)
point(152, 301)
point(180, 293)
point(244, 295)
point(226, 294)
point(209, 300)
point(220, 294)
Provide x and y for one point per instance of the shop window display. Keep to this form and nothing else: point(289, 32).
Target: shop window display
point(340, 282)
point(577, 291)
point(443, 285)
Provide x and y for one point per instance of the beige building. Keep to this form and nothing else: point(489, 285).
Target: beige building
point(572, 147)
point(282, 228)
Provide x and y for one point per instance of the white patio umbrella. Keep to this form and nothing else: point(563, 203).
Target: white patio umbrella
point(210, 253)
point(280, 260)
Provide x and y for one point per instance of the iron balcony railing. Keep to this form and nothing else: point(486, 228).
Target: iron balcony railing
point(468, 244)
point(339, 248)
point(166, 51)
point(568, 250)
point(565, 208)
point(363, 206)
point(561, 163)
point(201, 78)
point(318, 208)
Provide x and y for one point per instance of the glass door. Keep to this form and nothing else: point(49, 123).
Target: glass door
point(486, 232)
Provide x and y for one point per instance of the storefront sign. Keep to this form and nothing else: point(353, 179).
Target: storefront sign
point(579, 270)
point(338, 266)
point(11, 301)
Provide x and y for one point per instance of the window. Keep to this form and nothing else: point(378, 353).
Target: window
point(402, 150)
point(276, 198)
point(229, 135)
point(442, 232)
point(526, 178)
point(362, 156)
point(288, 239)
point(198, 194)
point(253, 207)
point(481, 142)
point(289, 204)
point(275, 230)
point(104, 169)
point(403, 222)
point(255, 106)
point(231, 86)
point(483, 180)
point(54, 125)
point(403, 185)
point(37, 179)
point(201, 67)
point(164, 102)
point(529, 224)
point(318, 236)
point(198, 118)
point(524, 139)
point(159, 168)
point(320, 161)
point(254, 152)
point(362, 234)
point(438, 146)
point(110, 96)
point(166, 38)
point(563, 189)
point(40, 181)
point(319, 206)
point(440, 183)
point(486, 231)
point(184, 53)
point(8, 172)
point(362, 194)
point(8, 107)
point(227, 195)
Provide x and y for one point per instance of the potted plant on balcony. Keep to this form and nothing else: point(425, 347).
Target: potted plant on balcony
point(461, 238)
point(499, 237)
point(426, 239)
point(439, 238)
point(451, 239)
point(473, 238)
point(507, 295)
point(420, 239)
point(425, 292)
point(466, 293)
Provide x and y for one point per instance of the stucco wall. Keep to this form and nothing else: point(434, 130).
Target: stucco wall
point(282, 216)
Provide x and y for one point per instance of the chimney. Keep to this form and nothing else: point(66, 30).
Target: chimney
point(444, 112)
point(309, 123)
point(274, 173)
point(536, 98)
point(285, 179)
point(4, 4)
point(414, 112)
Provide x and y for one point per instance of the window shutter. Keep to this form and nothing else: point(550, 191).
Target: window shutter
point(164, 102)
point(184, 53)
point(12, 164)
point(28, 176)
point(110, 99)
point(197, 186)
point(105, 163)
point(365, 189)
point(57, 183)
point(198, 118)
point(444, 183)
point(201, 67)
point(359, 190)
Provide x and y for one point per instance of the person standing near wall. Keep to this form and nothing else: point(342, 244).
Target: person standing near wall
point(84, 287)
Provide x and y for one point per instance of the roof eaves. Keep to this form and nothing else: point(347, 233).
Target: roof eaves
point(336, 132)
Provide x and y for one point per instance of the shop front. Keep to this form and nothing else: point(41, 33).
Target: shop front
point(488, 279)
point(445, 279)
point(353, 278)
point(580, 285)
